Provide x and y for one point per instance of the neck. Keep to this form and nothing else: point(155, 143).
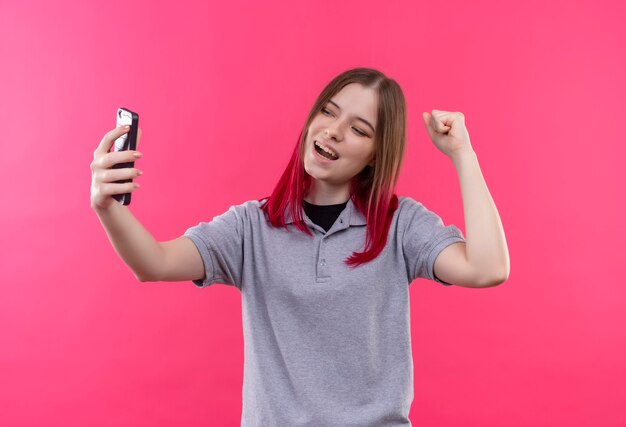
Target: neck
point(322, 193)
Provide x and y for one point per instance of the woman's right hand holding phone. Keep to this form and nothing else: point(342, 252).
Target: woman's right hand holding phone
point(103, 176)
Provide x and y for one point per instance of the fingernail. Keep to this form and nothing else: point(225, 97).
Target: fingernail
point(137, 155)
point(126, 127)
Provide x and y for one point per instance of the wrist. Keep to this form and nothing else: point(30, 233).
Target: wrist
point(462, 154)
point(103, 209)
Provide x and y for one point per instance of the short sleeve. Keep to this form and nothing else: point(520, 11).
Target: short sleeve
point(424, 237)
point(220, 243)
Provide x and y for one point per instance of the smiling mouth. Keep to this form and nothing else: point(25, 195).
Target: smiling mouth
point(322, 152)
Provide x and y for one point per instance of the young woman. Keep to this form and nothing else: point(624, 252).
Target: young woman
point(324, 263)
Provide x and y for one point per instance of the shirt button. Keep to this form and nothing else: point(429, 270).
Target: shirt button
point(323, 262)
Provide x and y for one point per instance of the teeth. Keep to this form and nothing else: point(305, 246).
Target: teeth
point(328, 150)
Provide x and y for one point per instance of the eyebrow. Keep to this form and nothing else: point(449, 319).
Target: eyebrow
point(358, 118)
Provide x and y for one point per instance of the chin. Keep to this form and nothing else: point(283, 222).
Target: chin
point(311, 172)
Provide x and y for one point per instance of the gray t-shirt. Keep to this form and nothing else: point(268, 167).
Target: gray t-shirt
point(324, 344)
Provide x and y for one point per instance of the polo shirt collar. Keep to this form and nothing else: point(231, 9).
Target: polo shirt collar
point(350, 211)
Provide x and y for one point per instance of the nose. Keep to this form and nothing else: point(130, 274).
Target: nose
point(331, 131)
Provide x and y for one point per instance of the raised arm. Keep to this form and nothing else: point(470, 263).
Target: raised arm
point(483, 260)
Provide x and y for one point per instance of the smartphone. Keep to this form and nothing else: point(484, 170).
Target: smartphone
point(128, 141)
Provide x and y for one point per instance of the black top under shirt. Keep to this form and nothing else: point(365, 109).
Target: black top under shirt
point(323, 215)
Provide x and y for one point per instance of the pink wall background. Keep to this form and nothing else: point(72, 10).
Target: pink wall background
point(222, 90)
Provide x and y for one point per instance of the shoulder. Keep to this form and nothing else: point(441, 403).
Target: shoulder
point(408, 205)
point(407, 202)
point(239, 212)
point(248, 211)
point(408, 208)
point(252, 205)
point(414, 214)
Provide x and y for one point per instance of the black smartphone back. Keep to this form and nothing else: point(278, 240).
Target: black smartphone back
point(128, 141)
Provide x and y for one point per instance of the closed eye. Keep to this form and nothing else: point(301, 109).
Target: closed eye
point(358, 132)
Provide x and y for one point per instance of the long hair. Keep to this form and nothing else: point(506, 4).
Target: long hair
point(372, 189)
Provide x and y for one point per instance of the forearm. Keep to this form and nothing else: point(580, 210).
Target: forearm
point(486, 244)
point(133, 243)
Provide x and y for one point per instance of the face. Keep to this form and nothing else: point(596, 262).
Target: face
point(341, 127)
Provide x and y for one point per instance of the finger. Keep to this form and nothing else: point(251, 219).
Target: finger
point(112, 175)
point(441, 127)
point(127, 187)
point(439, 121)
point(442, 120)
point(114, 157)
point(108, 140)
point(427, 123)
